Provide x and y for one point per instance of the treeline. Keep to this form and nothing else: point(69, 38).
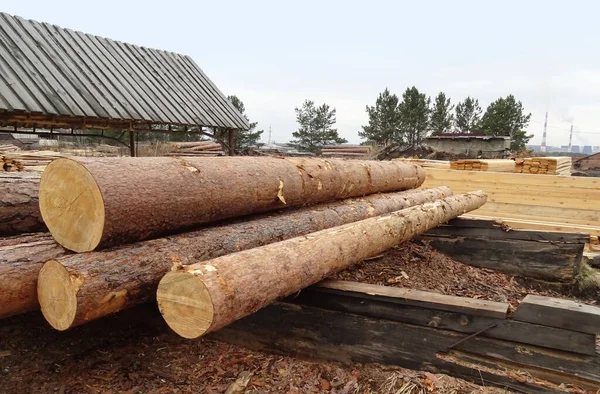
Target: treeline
point(407, 121)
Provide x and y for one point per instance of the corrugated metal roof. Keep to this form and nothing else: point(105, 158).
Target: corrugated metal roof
point(49, 70)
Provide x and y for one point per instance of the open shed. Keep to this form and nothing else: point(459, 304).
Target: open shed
point(62, 82)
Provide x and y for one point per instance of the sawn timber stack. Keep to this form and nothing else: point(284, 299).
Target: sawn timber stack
point(210, 295)
point(80, 288)
point(89, 203)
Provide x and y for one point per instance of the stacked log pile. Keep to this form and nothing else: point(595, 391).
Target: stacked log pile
point(544, 165)
point(346, 151)
point(495, 165)
point(196, 148)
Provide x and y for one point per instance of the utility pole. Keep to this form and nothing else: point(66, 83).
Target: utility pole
point(543, 147)
point(570, 138)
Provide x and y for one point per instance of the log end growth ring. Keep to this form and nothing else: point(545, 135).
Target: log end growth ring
point(185, 304)
point(57, 294)
point(71, 205)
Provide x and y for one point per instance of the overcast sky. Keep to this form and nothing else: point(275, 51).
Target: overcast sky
point(275, 54)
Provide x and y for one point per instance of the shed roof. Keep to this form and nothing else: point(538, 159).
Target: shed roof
point(50, 75)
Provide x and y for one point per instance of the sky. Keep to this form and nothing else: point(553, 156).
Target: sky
point(275, 54)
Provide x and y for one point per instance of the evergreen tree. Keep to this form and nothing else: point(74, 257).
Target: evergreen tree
point(315, 127)
point(414, 116)
point(441, 114)
point(384, 121)
point(506, 117)
point(468, 116)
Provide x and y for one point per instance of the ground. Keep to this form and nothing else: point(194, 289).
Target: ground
point(135, 352)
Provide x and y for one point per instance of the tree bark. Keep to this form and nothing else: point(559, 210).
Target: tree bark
point(96, 202)
point(96, 284)
point(21, 258)
point(19, 208)
point(209, 295)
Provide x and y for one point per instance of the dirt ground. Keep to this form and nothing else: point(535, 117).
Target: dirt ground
point(135, 352)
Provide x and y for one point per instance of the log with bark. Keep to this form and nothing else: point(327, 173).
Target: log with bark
point(80, 288)
point(19, 208)
point(21, 258)
point(96, 202)
point(209, 295)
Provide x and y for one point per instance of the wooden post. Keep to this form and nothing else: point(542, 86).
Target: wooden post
point(231, 142)
point(131, 143)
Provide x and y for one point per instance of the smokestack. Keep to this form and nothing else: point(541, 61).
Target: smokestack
point(570, 138)
point(543, 148)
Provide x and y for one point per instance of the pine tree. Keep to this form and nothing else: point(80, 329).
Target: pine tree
point(414, 116)
point(506, 117)
point(468, 116)
point(315, 127)
point(384, 121)
point(441, 114)
point(245, 138)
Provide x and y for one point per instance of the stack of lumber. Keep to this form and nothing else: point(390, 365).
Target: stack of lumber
point(427, 163)
point(496, 165)
point(196, 148)
point(346, 151)
point(27, 160)
point(9, 148)
point(528, 201)
point(544, 165)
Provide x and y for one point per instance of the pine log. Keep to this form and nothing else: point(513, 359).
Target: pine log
point(19, 208)
point(21, 258)
point(96, 202)
point(210, 295)
point(79, 288)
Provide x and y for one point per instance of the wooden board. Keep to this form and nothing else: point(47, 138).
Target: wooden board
point(319, 333)
point(419, 298)
point(556, 312)
point(369, 302)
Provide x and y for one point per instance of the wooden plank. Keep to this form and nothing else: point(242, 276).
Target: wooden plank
point(183, 92)
point(516, 223)
point(392, 309)
point(434, 174)
point(139, 98)
point(319, 333)
point(88, 67)
point(556, 312)
point(65, 65)
point(419, 298)
point(141, 85)
point(551, 261)
point(62, 89)
point(477, 228)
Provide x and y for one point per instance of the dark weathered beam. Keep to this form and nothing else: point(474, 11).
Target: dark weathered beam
point(469, 320)
point(556, 312)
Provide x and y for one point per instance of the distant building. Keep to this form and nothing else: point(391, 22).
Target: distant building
point(575, 149)
point(484, 146)
point(587, 149)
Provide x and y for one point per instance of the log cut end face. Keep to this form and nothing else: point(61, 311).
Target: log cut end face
point(185, 303)
point(71, 205)
point(57, 294)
